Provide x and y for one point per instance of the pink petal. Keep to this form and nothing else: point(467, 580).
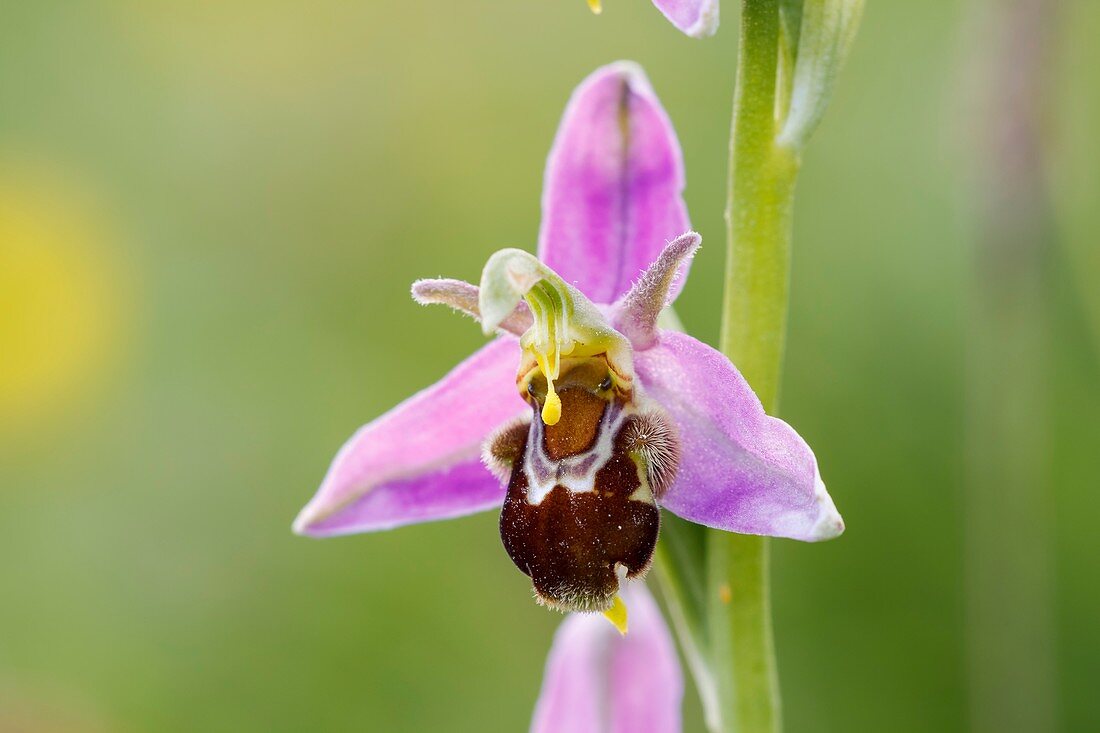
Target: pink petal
point(740, 470)
point(611, 201)
point(597, 681)
point(637, 313)
point(421, 460)
point(463, 297)
point(697, 18)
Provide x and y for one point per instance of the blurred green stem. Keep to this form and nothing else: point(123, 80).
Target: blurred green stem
point(754, 321)
point(1010, 619)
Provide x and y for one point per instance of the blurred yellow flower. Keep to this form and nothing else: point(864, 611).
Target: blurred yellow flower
point(59, 296)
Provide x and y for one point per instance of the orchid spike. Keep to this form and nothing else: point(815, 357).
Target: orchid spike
point(595, 416)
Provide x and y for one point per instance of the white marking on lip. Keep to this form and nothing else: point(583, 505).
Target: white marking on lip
point(567, 472)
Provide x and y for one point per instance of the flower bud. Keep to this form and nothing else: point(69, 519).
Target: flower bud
point(822, 31)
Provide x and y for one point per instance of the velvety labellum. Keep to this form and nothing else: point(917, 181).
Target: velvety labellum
point(580, 511)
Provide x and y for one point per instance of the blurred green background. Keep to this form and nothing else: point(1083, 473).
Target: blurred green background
point(210, 214)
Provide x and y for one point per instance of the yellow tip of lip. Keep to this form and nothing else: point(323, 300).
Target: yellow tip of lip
point(617, 615)
point(595, 6)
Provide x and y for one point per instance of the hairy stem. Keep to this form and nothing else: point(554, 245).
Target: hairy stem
point(754, 321)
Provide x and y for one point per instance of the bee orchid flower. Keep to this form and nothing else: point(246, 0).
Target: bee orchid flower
point(582, 416)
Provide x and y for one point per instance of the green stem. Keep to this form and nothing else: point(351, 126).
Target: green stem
point(758, 214)
point(761, 189)
point(743, 650)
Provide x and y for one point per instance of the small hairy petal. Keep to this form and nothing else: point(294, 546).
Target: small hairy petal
point(652, 437)
point(741, 470)
point(422, 460)
point(696, 18)
point(463, 297)
point(597, 681)
point(504, 448)
point(614, 181)
point(636, 314)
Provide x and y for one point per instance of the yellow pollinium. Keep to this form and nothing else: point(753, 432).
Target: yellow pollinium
point(617, 615)
point(564, 323)
point(551, 408)
point(551, 411)
point(595, 6)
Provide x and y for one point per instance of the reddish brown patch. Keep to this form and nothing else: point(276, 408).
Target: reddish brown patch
point(571, 542)
point(576, 432)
